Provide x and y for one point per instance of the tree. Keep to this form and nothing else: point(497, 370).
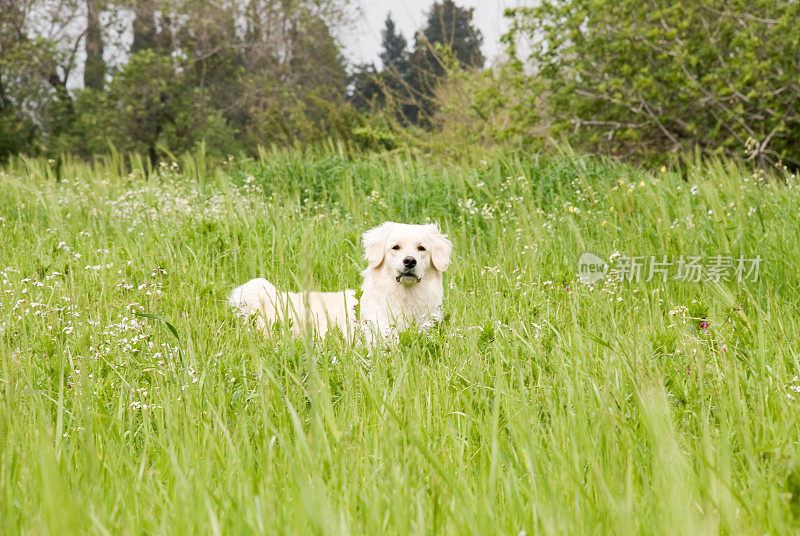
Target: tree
point(269, 71)
point(145, 34)
point(266, 71)
point(364, 88)
point(153, 102)
point(719, 76)
point(17, 133)
point(451, 26)
point(94, 70)
point(406, 85)
point(38, 47)
point(372, 87)
point(394, 54)
point(447, 41)
point(395, 79)
point(294, 81)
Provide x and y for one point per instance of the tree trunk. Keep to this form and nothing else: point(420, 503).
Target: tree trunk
point(144, 26)
point(94, 71)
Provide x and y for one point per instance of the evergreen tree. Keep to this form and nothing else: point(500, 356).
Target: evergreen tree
point(394, 52)
point(394, 78)
point(368, 86)
point(448, 40)
point(364, 87)
point(451, 26)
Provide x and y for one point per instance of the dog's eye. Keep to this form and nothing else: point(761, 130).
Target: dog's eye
point(396, 246)
point(420, 248)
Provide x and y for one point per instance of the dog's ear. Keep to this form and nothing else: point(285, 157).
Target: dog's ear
point(441, 248)
point(375, 244)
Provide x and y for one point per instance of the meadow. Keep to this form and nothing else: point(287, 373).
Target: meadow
point(134, 401)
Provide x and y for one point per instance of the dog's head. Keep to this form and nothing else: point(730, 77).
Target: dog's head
point(408, 253)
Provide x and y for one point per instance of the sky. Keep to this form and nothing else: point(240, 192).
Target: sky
point(362, 43)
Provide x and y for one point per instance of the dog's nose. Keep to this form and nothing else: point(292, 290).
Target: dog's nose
point(409, 262)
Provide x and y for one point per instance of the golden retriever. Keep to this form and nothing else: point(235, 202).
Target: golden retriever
point(403, 280)
point(315, 310)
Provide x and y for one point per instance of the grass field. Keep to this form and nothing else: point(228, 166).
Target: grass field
point(133, 401)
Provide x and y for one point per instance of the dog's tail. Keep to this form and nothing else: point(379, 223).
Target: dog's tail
point(248, 298)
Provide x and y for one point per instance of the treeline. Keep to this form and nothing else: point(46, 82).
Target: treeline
point(161, 76)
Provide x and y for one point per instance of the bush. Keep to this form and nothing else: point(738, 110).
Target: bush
point(719, 76)
point(149, 108)
point(487, 108)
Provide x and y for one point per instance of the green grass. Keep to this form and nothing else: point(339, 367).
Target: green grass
point(540, 406)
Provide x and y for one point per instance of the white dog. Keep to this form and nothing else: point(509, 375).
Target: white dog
point(317, 310)
point(403, 282)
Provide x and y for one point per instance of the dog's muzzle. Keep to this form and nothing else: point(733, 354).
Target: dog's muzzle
point(407, 274)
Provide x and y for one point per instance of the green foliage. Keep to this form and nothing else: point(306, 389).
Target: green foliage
point(448, 41)
point(451, 26)
point(231, 75)
point(150, 107)
point(394, 45)
point(372, 89)
point(406, 84)
point(369, 138)
point(17, 134)
point(488, 109)
point(626, 80)
point(29, 103)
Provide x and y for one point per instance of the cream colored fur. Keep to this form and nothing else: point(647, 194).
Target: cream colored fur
point(395, 297)
point(317, 310)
